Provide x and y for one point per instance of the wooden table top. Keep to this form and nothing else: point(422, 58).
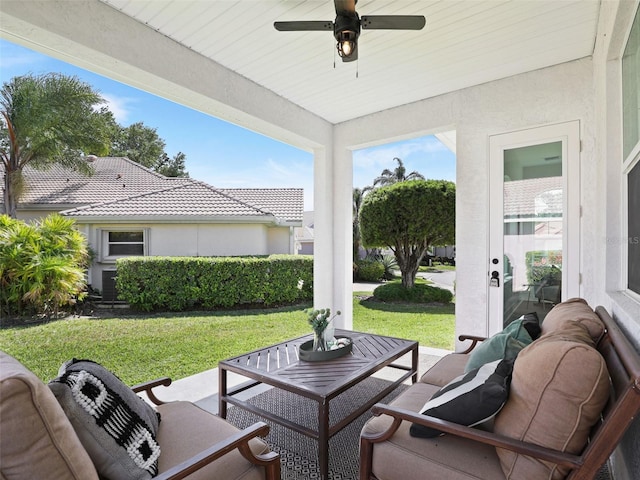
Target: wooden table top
point(280, 366)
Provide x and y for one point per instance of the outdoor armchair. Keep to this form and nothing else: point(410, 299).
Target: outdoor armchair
point(38, 439)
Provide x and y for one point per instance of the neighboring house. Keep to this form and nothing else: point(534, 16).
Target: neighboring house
point(126, 209)
point(304, 235)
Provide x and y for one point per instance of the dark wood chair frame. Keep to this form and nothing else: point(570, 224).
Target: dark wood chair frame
point(240, 441)
point(623, 363)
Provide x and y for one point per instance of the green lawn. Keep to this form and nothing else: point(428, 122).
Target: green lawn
point(178, 345)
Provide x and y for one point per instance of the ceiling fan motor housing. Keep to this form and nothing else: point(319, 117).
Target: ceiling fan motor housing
point(345, 23)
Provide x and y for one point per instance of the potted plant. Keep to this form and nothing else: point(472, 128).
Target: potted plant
point(319, 321)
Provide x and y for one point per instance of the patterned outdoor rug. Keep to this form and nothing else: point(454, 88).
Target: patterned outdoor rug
point(298, 453)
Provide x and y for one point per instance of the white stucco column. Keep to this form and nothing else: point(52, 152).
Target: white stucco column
point(322, 236)
point(332, 250)
point(343, 235)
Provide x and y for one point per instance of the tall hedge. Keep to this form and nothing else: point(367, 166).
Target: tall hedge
point(183, 283)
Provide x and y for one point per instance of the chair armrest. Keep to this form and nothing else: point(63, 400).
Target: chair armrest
point(530, 449)
point(240, 440)
point(474, 340)
point(147, 386)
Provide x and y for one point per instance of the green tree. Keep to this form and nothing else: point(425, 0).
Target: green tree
point(48, 119)
point(398, 174)
point(42, 265)
point(143, 145)
point(139, 143)
point(409, 217)
point(171, 166)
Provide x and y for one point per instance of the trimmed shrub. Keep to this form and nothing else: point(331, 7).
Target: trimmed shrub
point(184, 283)
point(419, 293)
point(369, 270)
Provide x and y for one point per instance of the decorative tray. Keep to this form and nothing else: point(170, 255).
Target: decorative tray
point(307, 353)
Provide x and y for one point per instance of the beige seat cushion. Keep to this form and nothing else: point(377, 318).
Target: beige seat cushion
point(442, 458)
point(446, 369)
point(574, 309)
point(36, 439)
point(559, 387)
point(186, 429)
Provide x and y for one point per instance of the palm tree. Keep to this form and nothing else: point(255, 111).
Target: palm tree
point(358, 197)
point(42, 264)
point(388, 177)
point(48, 119)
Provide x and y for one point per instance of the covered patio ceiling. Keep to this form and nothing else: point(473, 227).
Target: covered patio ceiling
point(464, 43)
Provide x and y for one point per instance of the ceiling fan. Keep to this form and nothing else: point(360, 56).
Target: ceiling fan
point(346, 27)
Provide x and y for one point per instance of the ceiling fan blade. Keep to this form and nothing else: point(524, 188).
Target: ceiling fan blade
point(303, 25)
point(345, 8)
point(393, 22)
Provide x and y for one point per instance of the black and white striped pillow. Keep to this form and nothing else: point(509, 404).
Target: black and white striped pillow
point(116, 427)
point(470, 399)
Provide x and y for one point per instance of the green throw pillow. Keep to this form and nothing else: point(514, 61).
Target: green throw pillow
point(507, 344)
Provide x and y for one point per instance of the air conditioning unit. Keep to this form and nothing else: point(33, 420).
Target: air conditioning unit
point(109, 293)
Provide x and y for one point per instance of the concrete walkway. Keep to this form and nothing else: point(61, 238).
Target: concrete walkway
point(444, 279)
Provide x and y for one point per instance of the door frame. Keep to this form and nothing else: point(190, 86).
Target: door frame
point(569, 134)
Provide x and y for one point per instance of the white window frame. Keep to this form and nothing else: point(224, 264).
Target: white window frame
point(104, 242)
point(631, 161)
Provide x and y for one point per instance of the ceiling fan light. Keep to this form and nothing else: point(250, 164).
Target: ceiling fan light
point(347, 43)
point(346, 48)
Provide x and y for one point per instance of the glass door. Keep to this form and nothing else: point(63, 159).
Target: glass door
point(534, 259)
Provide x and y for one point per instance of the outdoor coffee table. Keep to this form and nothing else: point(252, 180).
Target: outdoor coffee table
point(280, 367)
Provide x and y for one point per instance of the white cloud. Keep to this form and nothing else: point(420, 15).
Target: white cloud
point(383, 156)
point(370, 162)
point(119, 106)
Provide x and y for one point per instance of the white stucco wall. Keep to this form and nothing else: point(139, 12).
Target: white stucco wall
point(552, 95)
point(190, 240)
point(608, 239)
point(280, 240)
point(208, 240)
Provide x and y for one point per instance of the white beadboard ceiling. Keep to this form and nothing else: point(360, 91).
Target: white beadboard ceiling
point(464, 43)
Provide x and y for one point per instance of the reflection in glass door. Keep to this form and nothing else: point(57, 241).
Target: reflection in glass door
point(534, 237)
point(532, 213)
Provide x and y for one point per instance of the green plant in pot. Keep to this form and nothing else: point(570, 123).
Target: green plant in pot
point(319, 321)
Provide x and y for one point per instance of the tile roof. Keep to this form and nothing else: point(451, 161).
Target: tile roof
point(122, 188)
point(114, 178)
point(284, 203)
point(193, 199)
point(536, 197)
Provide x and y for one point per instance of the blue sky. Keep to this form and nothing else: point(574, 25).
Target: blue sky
point(223, 154)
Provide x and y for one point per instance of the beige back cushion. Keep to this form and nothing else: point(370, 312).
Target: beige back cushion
point(560, 386)
point(576, 310)
point(36, 439)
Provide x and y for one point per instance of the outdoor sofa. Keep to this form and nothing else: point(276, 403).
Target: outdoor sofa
point(43, 435)
point(573, 393)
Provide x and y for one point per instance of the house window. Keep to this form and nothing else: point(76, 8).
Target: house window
point(631, 150)
point(118, 243)
point(633, 187)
